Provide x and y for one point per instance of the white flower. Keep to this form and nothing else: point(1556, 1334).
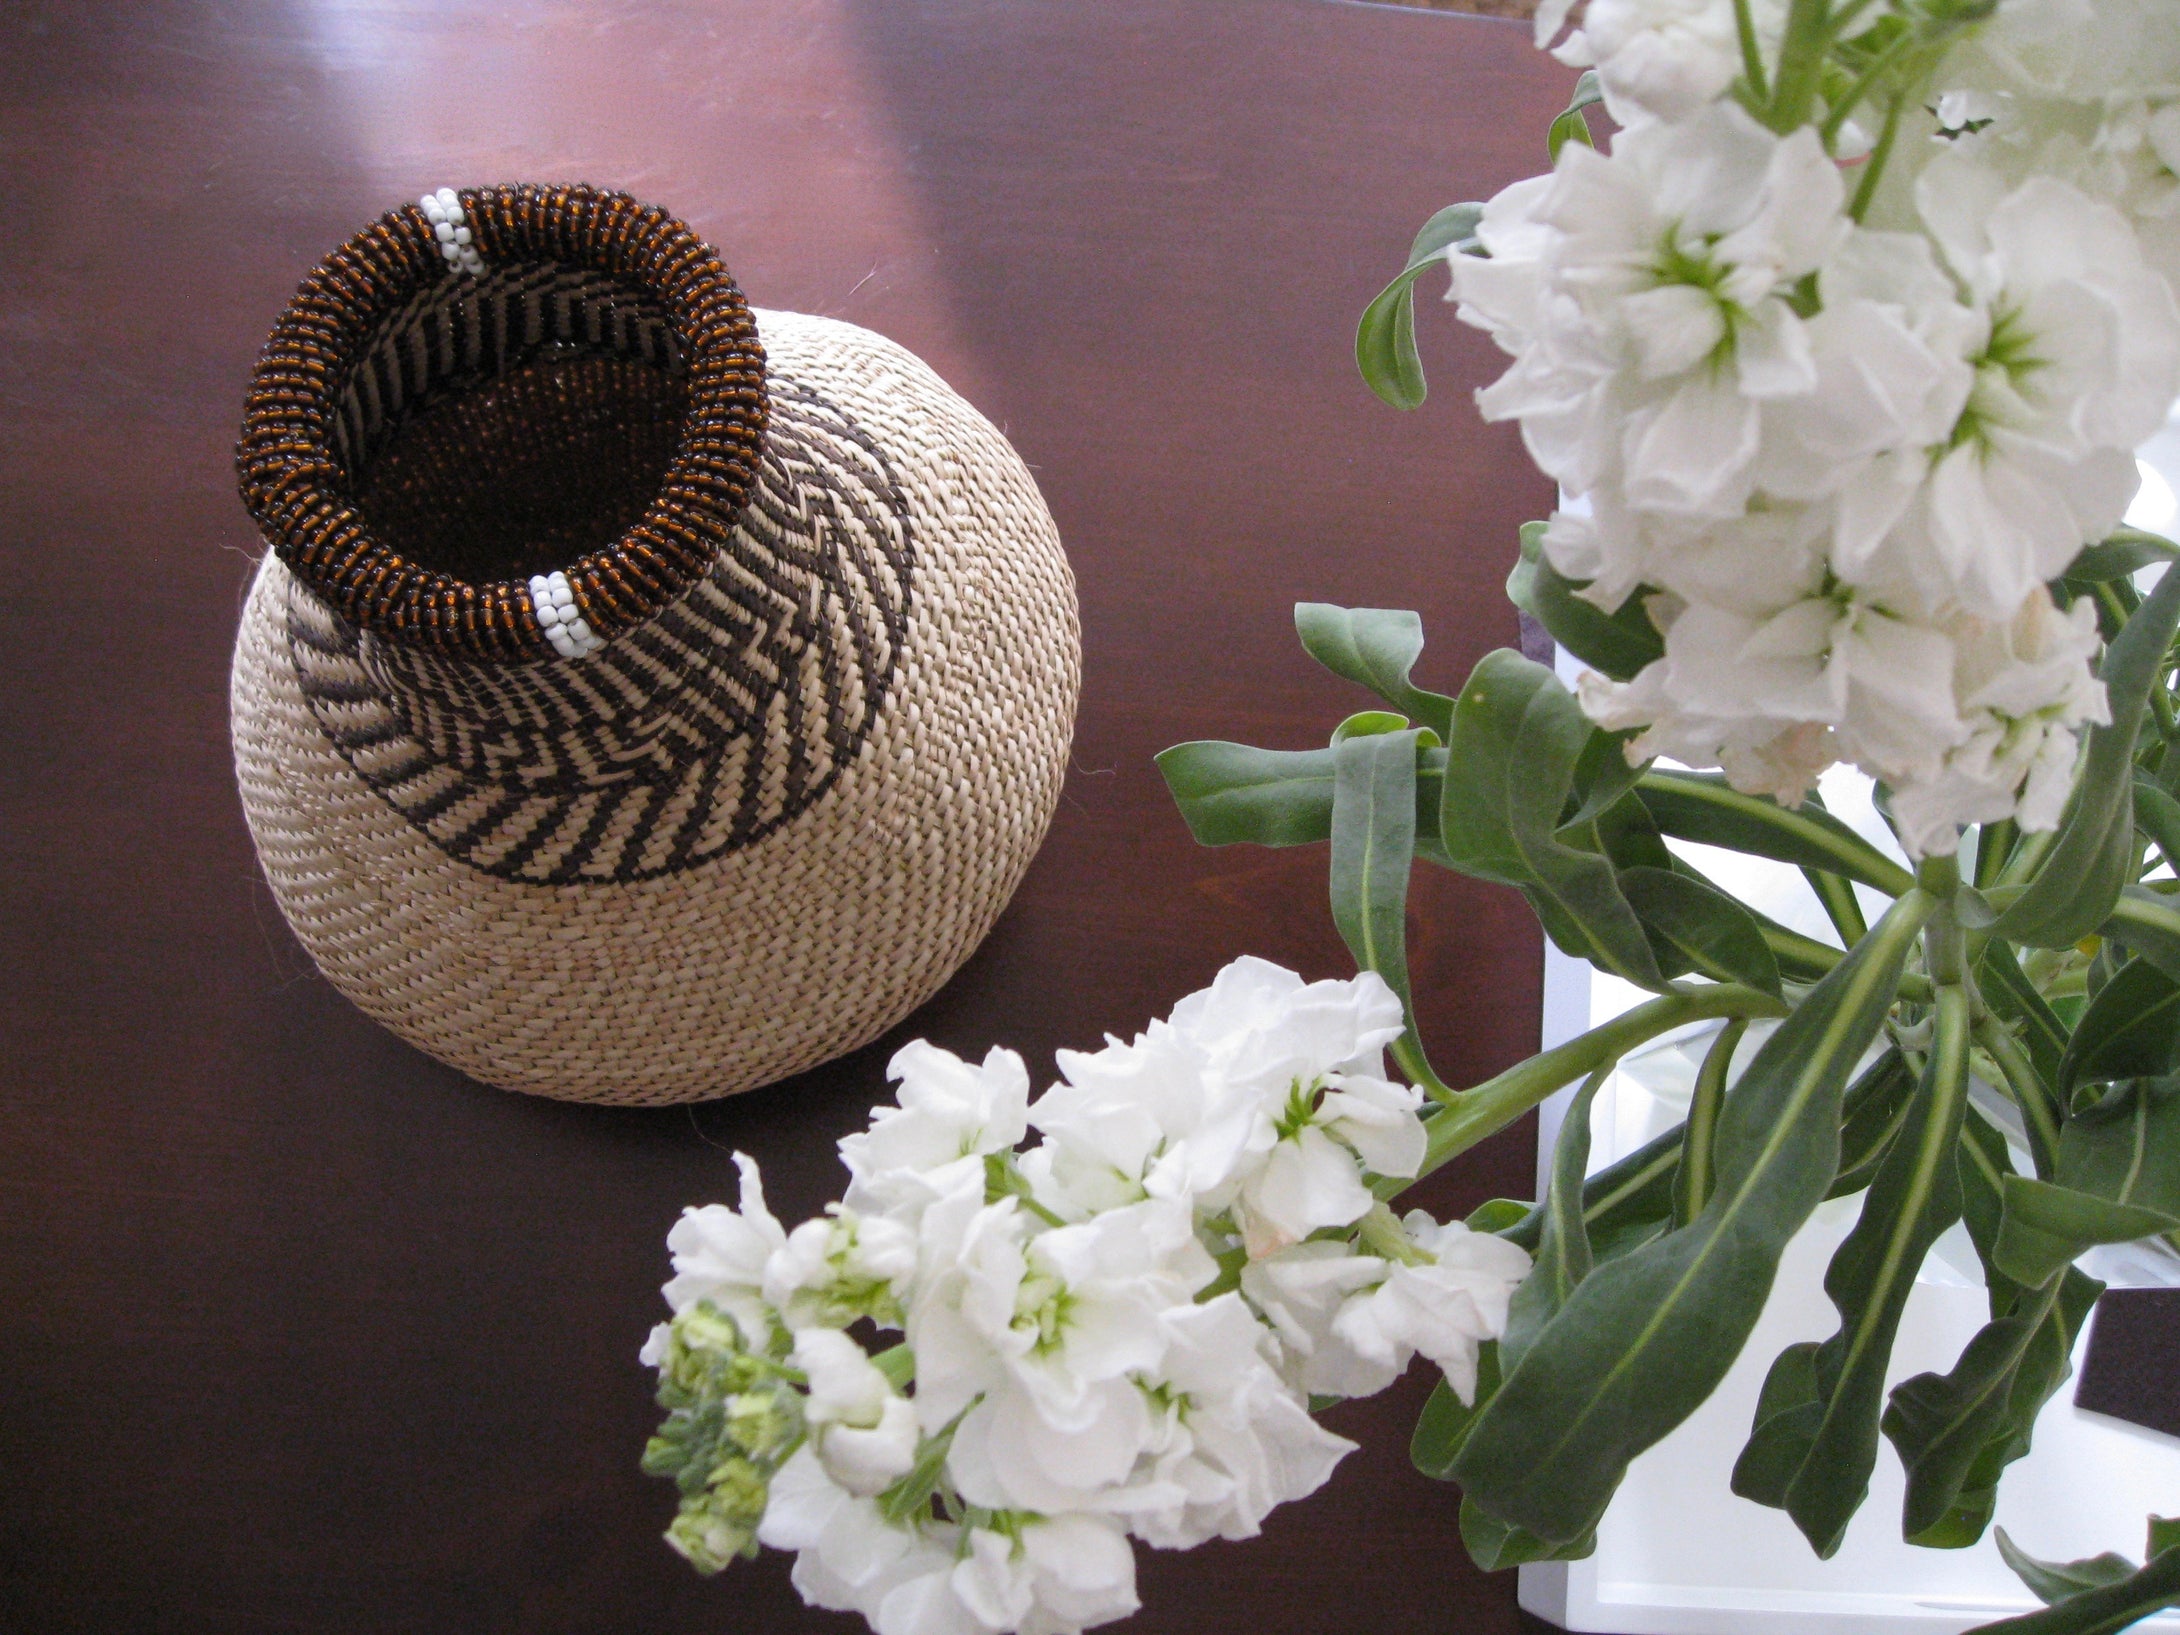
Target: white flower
point(1299, 1291)
point(1350, 1322)
point(1659, 59)
point(1233, 1441)
point(865, 1433)
point(1444, 1305)
point(848, 1556)
point(1891, 348)
point(948, 1116)
point(1263, 1027)
point(720, 1255)
point(2025, 687)
point(1059, 1317)
point(1052, 1576)
point(2076, 358)
point(1261, 1092)
point(1310, 1178)
point(1138, 1119)
point(1647, 299)
point(840, 1267)
point(1031, 1575)
point(1774, 698)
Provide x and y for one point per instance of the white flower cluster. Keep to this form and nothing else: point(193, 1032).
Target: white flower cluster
point(1841, 458)
point(1111, 1335)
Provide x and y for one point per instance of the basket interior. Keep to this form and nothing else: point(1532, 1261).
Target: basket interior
point(508, 424)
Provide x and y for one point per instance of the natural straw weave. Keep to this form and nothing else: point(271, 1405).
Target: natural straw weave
point(726, 847)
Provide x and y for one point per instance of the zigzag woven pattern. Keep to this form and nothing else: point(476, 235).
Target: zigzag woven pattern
point(699, 732)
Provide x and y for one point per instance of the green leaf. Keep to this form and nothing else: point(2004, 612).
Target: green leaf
point(1385, 338)
point(1983, 1165)
point(1703, 807)
point(1374, 647)
point(1570, 126)
point(2147, 922)
point(2125, 554)
point(1563, 1252)
point(2104, 1609)
point(1231, 793)
point(1634, 1191)
point(1496, 1215)
point(1444, 1423)
point(1602, 778)
point(1695, 926)
point(2005, 987)
point(1368, 724)
point(2080, 877)
point(1956, 1433)
point(1373, 846)
point(910, 1497)
point(2045, 1226)
point(1493, 1545)
point(2051, 1581)
point(1618, 643)
point(1789, 1409)
point(2164, 1534)
point(1875, 1107)
point(2130, 1029)
point(1645, 1338)
point(2157, 815)
point(2127, 1147)
point(1517, 736)
point(1915, 1197)
point(1699, 1133)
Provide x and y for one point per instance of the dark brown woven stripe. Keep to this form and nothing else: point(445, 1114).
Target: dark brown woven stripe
point(383, 320)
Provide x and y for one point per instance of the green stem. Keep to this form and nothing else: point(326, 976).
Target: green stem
point(1844, 18)
point(1838, 897)
point(1885, 59)
point(1802, 51)
point(1752, 56)
point(1692, 1187)
point(1874, 166)
point(1811, 961)
point(1491, 1106)
point(1409, 1054)
point(1944, 947)
point(1993, 842)
point(2026, 1086)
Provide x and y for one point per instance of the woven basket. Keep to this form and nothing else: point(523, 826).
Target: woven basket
point(627, 712)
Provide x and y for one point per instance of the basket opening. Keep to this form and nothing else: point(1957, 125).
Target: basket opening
point(507, 425)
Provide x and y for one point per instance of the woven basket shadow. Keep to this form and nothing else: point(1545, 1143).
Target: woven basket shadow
point(628, 709)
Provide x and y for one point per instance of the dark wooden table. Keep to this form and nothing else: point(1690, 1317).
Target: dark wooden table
point(300, 1330)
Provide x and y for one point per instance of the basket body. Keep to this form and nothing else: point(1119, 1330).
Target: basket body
point(748, 832)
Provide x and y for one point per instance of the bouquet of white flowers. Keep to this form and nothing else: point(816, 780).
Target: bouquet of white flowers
point(1839, 355)
point(1115, 1333)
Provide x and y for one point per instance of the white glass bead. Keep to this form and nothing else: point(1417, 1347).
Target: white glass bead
point(448, 197)
point(461, 235)
point(446, 233)
point(547, 614)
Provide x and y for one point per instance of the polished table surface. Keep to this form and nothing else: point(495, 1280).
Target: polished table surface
point(301, 1331)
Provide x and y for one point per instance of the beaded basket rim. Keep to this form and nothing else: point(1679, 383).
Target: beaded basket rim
point(296, 487)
